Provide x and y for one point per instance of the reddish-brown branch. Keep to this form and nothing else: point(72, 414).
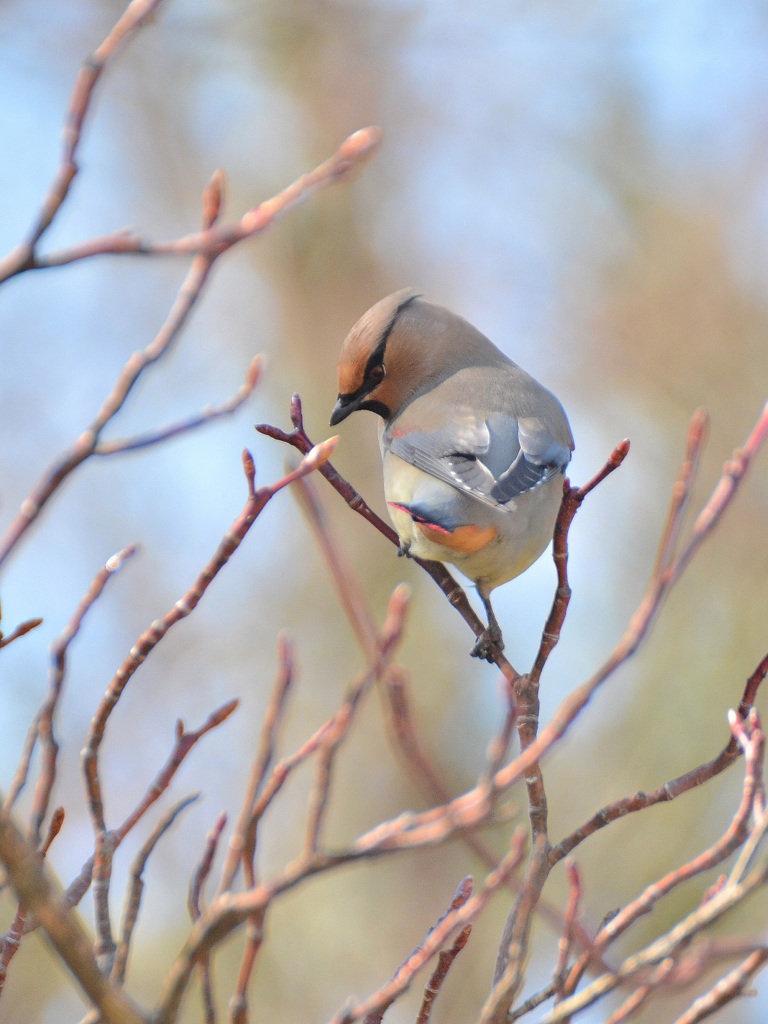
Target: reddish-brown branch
point(348, 588)
point(697, 434)
point(12, 938)
point(532, 1002)
point(136, 887)
point(214, 240)
point(146, 643)
point(672, 789)
point(37, 891)
point(205, 247)
point(437, 977)
point(646, 611)
point(463, 910)
point(196, 885)
point(230, 910)
point(571, 503)
point(727, 989)
point(460, 897)
point(184, 742)
point(108, 841)
point(207, 415)
point(86, 444)
point(135, 15)
point(44, 722)
point(524, 712)
point(386, 644)
point(325, 743)
point(242, 843)
point(637, 999)
point(398, 714)
point(238, 1006)
point(203, 869)
point(509, 974)
point(21, 630)
point(571, 912)
point(718, 901)
point(731, 840)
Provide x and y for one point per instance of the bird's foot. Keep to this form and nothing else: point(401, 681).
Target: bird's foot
point(488, 644)
point(404, 549)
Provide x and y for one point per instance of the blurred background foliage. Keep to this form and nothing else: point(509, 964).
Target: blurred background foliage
point(587, 184)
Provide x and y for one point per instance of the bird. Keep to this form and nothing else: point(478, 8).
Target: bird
point(474, 449)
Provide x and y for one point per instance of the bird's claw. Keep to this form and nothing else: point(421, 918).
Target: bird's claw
point(488, 644)
point(404, 549)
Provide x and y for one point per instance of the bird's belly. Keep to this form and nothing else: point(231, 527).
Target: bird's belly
point(489, 545)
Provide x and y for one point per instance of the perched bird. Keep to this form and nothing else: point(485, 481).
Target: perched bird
point(474, 449)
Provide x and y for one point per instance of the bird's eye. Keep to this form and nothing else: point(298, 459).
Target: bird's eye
point(377, 373)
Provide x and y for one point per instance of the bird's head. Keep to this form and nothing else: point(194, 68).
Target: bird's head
point(373, 373)
point(401, 348)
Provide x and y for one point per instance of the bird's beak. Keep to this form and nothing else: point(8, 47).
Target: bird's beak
point(345, 404)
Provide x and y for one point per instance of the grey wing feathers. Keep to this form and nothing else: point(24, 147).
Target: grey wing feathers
point(494, 459)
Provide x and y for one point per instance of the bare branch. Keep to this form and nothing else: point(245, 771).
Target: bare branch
point(463, 911)
point(38, 892)
point(727, 989)
point(444, 963)
point(136, 886)
point(205, 248)
point(45, 717)
point(134, 16)
point(214, 240)
point(207, 415)
point(196, 885)
point(240, 846)
point(21, 630)
point(672, 789)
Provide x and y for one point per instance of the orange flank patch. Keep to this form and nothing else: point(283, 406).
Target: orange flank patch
point(464, 539)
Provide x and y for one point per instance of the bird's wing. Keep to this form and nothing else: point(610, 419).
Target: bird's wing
point(493, 457)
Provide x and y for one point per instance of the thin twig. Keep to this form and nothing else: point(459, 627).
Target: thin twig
point(386, 644)
point(736, 890)
point(508, 974)
point(463, 913)
point(731, 840)
point(212, 241)
point(207, 415)
point(205, 248)
point(135, 15)
point(238, 848)
point(184, 742)
point(437, 977)
point(21, 630)
point(196, 885)
point(39, 893)
point(573, 498)
point(460, 897)
point(203, 869)
point(45, 717)
point(12, 938)
point(675, 787)
point(146, 643)
point(136, 887)
point(726, 990)
point(571, 911)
